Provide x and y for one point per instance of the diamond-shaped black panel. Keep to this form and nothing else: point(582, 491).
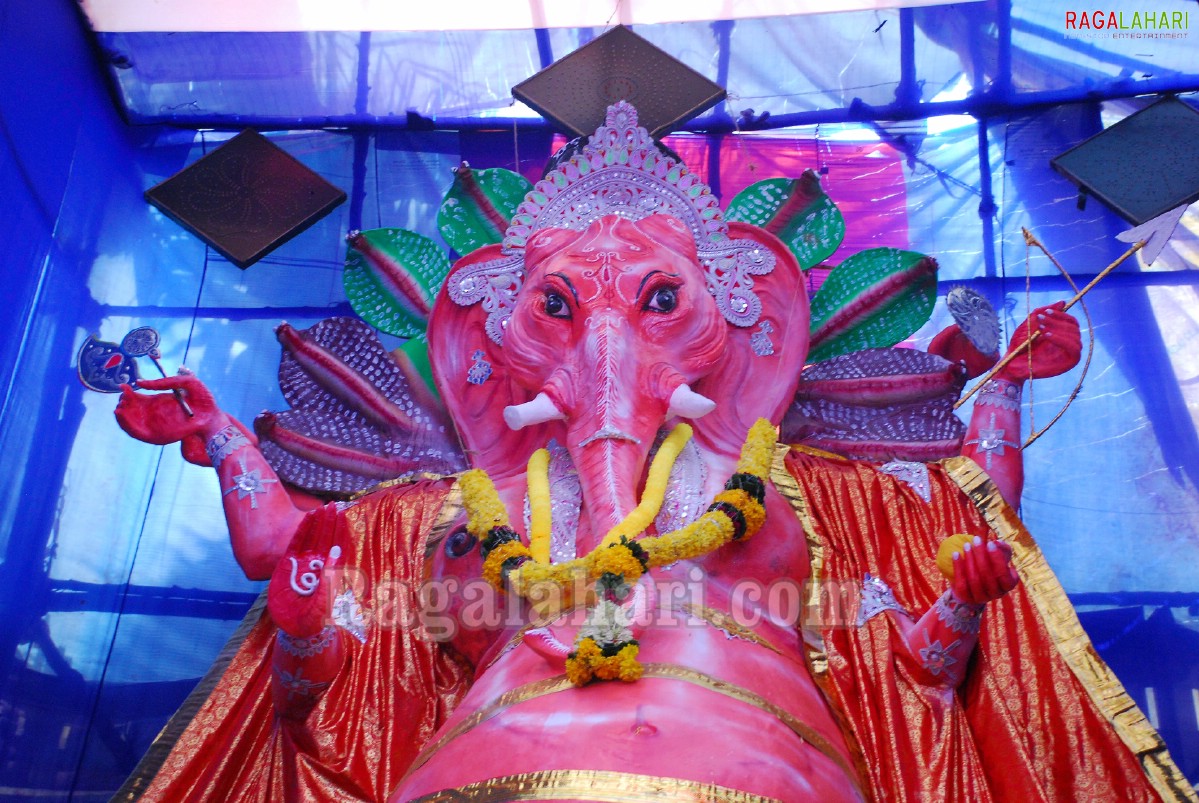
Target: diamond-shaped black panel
point(1143, 166)
point(245, 198)
point(575, 91)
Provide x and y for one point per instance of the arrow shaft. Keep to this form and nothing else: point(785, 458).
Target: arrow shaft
point(1020, 349)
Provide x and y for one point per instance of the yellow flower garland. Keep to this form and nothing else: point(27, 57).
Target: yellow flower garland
point(617, 560)
point(655, 486)
point(758, 452)
point(540, 523)
point(711, 531)
point(588, 663)
point(493, 567)
point(482, 503)
point(735, 513)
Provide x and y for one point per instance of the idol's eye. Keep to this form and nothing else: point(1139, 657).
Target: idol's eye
point(664, 299)
point(555, 305)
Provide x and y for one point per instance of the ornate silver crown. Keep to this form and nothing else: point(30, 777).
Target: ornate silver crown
point(620, 171)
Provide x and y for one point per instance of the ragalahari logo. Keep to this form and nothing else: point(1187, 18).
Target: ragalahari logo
point(1099, 23)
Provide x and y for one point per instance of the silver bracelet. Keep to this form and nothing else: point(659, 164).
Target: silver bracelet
point(961, 617)
point(1000, 393)
point(306, 647)
point(225, 442)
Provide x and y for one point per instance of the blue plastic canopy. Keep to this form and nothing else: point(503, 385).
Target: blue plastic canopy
point(117, 584)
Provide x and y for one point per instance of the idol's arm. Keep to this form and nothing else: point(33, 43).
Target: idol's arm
point(259, 512)
point(993, 436)
point(937, 647)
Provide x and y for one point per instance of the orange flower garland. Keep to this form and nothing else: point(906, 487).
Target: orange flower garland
point(604, 647)
point(588, 663)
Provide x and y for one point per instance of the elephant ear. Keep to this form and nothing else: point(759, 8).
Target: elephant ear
point(759, 371)
point(470, 367)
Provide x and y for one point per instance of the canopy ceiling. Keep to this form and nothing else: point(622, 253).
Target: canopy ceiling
point(877, 64)
point(385, 15)
point(932, 126)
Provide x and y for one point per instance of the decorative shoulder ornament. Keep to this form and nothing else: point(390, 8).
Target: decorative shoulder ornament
point(976, 318)
point(622, 172)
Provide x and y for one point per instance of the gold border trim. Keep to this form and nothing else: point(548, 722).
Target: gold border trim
point(726, 624)
point(559, 683)
point(147, 769)
point(407, 479)
point(451, 509)
point(601, 786)
point(815, 654)
point(788, 488)
point(1071, 641)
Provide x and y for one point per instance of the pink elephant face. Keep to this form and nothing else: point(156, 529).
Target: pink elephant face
point(610, 322)
point(613, 319)
point(613, 335)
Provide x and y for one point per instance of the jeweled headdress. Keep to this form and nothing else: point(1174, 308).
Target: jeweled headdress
point(622, 172)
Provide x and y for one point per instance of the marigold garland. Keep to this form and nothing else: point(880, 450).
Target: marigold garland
point(483, 505)
point(706, 534)
point(758, 452)
point(493, 566)
point(618, 559)
point(655, 486)
point(744, 495)
point(589, 662)
point(604, 647)
point(540, 523)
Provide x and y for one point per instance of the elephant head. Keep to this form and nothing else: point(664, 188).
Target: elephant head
point(601, 333)
point(614, 326)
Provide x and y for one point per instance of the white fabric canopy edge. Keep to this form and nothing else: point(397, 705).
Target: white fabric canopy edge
point(129, 16)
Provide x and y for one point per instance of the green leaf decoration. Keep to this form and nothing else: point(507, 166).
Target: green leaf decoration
point(796, 211)
point(391, 278)
point(874, 299)
point(478, 206)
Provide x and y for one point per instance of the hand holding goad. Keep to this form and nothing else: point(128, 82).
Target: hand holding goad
point(158, 418)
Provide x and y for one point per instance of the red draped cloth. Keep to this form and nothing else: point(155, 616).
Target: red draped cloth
point(391, 695)
point(1039, 716)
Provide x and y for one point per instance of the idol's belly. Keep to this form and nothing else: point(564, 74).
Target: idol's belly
point(714, 718)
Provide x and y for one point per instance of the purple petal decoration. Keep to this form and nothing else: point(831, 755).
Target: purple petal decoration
point(879, 404)
point(354, 419)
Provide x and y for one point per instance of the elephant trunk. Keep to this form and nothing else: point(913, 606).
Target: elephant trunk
point(614, 407)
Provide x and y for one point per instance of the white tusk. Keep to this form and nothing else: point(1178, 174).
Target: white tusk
point(537, 411)
point(686, 403)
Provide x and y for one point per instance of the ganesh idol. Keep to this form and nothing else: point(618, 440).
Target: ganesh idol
point(691, 535)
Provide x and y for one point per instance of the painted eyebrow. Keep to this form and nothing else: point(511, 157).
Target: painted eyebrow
point(650, 275)
point(569, 285)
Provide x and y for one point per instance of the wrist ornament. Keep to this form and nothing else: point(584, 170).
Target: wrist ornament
point(960, 617)
point(224, 442)
point(1001, 393)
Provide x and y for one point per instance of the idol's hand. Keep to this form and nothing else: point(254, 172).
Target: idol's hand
point(1055, 351)
point(952, 344)
point(983, 571)
point(159, 418)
